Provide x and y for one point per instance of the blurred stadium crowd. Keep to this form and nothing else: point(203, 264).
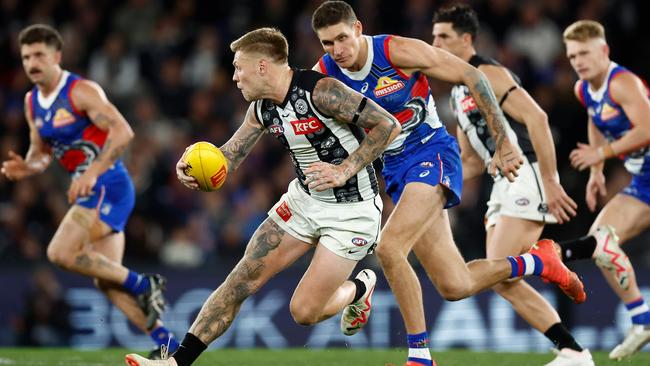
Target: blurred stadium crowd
point(167, 67)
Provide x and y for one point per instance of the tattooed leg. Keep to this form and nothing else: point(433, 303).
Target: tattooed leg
point(71, 247)
point(269, 251)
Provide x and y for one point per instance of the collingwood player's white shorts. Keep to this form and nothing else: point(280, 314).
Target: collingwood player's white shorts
point(350, 230)
point(524, 198)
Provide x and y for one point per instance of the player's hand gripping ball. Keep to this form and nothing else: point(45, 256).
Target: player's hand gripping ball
point(207, 164)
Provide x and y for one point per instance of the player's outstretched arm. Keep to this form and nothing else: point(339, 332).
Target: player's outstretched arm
point(242, 142)
point(518, 104)
point(335, 99)
point(38, 156)
point(412, 55)
point(87, 96)
point(234, 150)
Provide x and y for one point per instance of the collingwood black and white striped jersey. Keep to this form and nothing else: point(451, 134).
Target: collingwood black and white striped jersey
point(310, 136)
point(475, 127)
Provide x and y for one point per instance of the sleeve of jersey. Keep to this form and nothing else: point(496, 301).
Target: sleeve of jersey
point(581, 93)
point(257, 107)
point(323, 65)
point(308, 79)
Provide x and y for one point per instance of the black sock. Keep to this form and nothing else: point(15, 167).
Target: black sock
point(361, 289)
point(189, 350)
point(581, 248)
point(561, 338)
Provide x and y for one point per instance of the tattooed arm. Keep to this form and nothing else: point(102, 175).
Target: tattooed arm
point(87, 96)
point(335, 99)
point(411, 55)
point(242, 142)
point(38, 156)
point(234, 150)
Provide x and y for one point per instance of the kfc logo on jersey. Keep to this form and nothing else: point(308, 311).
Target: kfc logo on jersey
point(276, 130)
point(468, 104)
point(306, 126)
point(386, 85)
point(359, 242)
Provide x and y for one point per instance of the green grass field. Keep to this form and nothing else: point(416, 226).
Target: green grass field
point(296, 357)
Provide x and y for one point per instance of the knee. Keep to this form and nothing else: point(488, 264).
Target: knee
point(304, 314)
point(455, 290)
point(388, 256)
point(59, 257)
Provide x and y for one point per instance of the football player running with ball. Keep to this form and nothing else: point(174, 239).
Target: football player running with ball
point(333, 206)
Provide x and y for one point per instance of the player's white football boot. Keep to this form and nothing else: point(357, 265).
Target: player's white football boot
point(570, 357)
point(637, 337)
point(610, 256)
point(355, 316)
point(133, 359)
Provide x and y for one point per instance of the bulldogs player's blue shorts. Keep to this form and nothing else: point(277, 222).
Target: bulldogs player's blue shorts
point(430, 156)
point(113, 196)
point(639, 188)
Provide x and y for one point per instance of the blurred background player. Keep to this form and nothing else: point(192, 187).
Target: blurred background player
point(422, 167)
point(333, 205)
point(619, 126)
point(71, 119)
point(517, 211)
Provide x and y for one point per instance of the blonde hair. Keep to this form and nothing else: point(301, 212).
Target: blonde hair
point(266, 41)
point(584, 30)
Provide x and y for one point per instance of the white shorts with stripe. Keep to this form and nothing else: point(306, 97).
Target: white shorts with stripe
point(524, 198)
point(350, 230)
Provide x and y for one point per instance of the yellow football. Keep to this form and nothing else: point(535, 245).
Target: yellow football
point(207, 164)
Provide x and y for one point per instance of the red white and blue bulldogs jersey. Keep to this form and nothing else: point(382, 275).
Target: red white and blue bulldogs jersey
point(74, 139)
point(610, 119)
point(311, 136)
point(75, 143)
point(408, 98)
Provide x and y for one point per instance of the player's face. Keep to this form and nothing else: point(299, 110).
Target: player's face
point(40, 62)
point(588, 59)
point(445, 37)
point(342, 41)
point(246, 75)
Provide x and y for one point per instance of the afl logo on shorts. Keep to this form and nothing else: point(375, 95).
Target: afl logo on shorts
point(359, 242)
point(522, 201)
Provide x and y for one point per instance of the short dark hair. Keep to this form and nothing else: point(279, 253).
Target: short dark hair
point(332, 12)
point(37, 33)
point(462, 17)
point(267, 41)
